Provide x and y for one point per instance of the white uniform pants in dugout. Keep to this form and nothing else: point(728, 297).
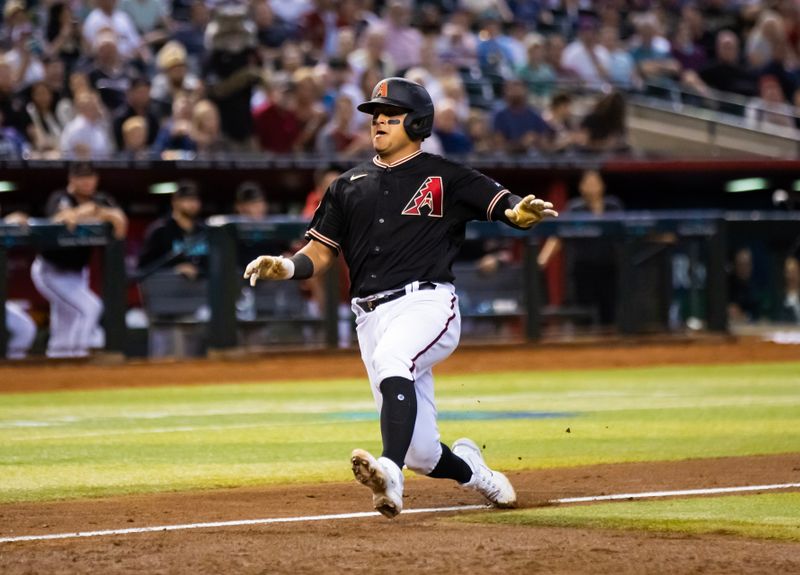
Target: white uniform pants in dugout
point(75, 309)
point(405, 338)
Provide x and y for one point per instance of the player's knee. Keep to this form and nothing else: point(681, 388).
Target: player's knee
point(92, 309)
point(388, 363)
point(422, 458)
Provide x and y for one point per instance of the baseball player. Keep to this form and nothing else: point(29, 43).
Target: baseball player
point(20, 326)
point(399, 220)
point(62, 275)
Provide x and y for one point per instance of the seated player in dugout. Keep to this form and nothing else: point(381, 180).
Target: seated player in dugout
point(399, 220)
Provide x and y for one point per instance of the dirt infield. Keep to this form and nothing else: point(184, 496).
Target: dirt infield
point(411, 543)
point(55, 376)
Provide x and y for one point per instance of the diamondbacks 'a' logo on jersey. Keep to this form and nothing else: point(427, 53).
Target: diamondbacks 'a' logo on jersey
point(430, 195)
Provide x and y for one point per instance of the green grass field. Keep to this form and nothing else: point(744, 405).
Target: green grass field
point(93, 443)
point(769, 516)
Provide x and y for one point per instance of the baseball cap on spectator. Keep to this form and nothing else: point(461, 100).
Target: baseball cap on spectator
point(249, 192)
point(187, 189)
point(172, 54)
point(81, 169)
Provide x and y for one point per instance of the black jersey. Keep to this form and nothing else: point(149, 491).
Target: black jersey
point(165, 237)
point(405, 222)
point(74, 258)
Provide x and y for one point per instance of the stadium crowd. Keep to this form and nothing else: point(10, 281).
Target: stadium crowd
point(182, 78)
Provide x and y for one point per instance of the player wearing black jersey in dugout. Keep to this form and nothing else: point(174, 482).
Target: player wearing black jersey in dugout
point(399, 220)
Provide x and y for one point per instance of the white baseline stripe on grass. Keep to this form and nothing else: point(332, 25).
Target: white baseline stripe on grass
point(242, 522)
point(652, 494)
point(236, 523)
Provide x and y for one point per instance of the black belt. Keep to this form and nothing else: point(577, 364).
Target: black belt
point(370, 303)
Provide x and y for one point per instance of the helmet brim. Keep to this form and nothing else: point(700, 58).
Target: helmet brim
point(369, 107)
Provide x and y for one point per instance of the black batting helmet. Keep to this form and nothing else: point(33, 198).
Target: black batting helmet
point(409, 96)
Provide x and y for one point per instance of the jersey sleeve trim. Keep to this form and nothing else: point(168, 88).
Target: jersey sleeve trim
point(494, 203)
point(315, 235)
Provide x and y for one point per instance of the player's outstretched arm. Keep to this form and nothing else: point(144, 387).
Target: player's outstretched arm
point(530, 211)
point(312, 260)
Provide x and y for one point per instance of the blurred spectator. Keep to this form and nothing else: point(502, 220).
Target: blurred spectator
point(251, 202)
point(106, 16)
point(62, 275)
point(621, 67)
point(770, 108)
point(338, 136)
point(175, 135)
point(727, 72)
point(24, 55)
point(536, 72)
point(457, 44)
point(134, 138)
point(63, 35)
point(137, 104)
point(46, 128)
point(318, 29)
point(651, 52)
point(479, 131)
point(206, 128)
point(495, 55)
point(191, 33)
point(585, 56)
point(323, 178)
point(12, 106)
point(277, 124)
point(12, 144)
point(405, 46)
point(563, 134)
point(232, 71)
point(685, 50)
point(449, 131)
point(592, 264)
point(173, 76)
point(767, 40)
point(308, 108)
point(150, 17)
point(108, 74)
point(178, 240)
point(14, 15)
point(87, 135)
point(340, 81)
point(789, 308)
point(554, 50)
point(744, 303)
point(518, 128)
point(604, 128)
point(65, 107)
point(372, 55)
point(271, 30)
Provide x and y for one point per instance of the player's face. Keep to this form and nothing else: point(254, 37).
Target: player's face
point(388, 133)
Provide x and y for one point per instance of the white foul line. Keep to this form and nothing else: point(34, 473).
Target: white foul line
point(242, 522)
point(236, 523)
point(652, 494)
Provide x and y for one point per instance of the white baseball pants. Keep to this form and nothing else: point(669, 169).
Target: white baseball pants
point(406, 338)
point(74, 309)
point(21, 330)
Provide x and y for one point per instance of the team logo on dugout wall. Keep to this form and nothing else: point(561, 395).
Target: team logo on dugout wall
point(431, 195)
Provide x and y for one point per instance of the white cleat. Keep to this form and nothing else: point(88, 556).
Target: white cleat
point(383, 477)
point(493, 485)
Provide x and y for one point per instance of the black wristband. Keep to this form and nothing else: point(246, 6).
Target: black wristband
point(303, 267)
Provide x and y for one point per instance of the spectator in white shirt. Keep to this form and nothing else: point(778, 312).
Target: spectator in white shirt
point(588, 59)
point(87, 135)
point(106, 15)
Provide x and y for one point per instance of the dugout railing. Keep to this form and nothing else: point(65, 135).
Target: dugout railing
point(704, 235)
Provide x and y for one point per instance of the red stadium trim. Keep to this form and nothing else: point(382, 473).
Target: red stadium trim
point(493, 204)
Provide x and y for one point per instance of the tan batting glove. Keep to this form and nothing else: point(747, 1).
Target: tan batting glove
point(269, 268)
point(531, 210)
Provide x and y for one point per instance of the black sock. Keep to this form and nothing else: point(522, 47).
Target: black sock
point(451, 466)
point(398, 415)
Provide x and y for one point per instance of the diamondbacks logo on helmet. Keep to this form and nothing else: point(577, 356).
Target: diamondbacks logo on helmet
point(381, 90)
point(430, 195)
